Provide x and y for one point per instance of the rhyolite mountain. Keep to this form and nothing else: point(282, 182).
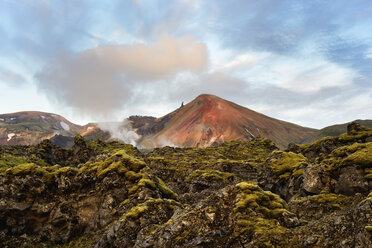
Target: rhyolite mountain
point(209, 120)
point(235, 194)
point(31, 127)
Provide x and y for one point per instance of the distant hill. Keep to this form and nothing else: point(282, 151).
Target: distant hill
point(31, 127)
point(208, 120)
point(334, 131)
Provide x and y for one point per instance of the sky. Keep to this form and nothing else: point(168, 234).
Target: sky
point(307, 62)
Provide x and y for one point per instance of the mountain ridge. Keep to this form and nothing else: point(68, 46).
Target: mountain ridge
point(209, 119)
point(204, 121)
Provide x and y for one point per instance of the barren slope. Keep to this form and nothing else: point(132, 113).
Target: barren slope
point(209, 119)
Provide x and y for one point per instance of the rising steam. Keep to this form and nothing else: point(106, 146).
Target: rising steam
point(121, 131)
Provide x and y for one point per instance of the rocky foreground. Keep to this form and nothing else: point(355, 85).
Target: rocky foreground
point(232, 195)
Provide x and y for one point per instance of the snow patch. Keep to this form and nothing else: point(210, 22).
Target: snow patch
point(13, 118)
point(1, 119)
point(213, 139)
point(65, 126)
point(10, 136)
point(42, 116)
point(89, 128)
point(246, 129)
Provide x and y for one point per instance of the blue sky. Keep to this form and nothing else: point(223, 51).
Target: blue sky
point(308, 62)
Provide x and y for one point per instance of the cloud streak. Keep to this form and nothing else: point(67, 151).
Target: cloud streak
point(102, 79)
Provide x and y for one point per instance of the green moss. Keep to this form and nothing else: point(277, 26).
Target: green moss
point(7, 161)
point(96, 167)
point(31, 168)
point(133, 190)
point(315, 145)
point(132, 176)
point(135, 212)
point(285, 176)
point(246, 186)
point(149, 205)
point(210, 176)
point(65, 170)
point(23, 169)
point(251, 196)
point(368, 176)
point(146, 183)
point(257, 216)
point(132, 163)
point(344, 151)
point(167, 192)
point(116, 166)
point(182, 162)
point(355, 136)
point(53, 168)
point(298, 173)
point(361, 157)
point(101, 169)
point(368, 229)
point(368, 198)
point(265, 233)
point(287, 162)
point(86, 240)
point(329, 200)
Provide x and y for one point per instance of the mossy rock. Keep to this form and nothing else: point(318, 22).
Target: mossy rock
point(316, 206)
point(132, 176)
point(362, 157)
point(166, 192)
point(286, 162)
point(8, 161)
point(347, 137)
point(251, 196)
point(66, 170)
point(149, 205)
point(368, 229)
point(210, 176)
point(31, 169)
point(258, 215)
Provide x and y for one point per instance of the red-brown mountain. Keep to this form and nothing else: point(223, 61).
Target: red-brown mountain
point(206, 120)
point(209, 119)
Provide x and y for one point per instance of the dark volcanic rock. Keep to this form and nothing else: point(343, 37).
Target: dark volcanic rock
point(236, 194)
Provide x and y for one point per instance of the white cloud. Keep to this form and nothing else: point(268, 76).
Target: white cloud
point(369, 56)
point(300, 74)
point(102, 79)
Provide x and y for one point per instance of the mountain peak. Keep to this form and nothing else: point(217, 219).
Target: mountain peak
point(206, 96)
point(209, 119)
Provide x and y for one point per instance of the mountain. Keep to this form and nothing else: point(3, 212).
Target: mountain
point(334, 130)
point(208, 120)
point(31, 127)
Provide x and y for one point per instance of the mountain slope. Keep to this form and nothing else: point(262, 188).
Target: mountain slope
point(235, 194)
point(209, 119)
point(31, 127)
point(334, 131)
